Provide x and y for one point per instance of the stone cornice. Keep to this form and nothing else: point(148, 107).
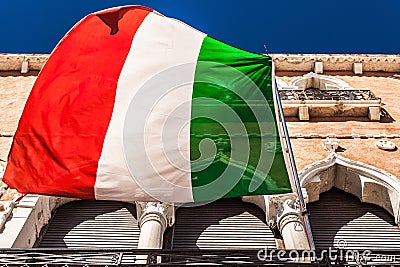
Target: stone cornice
point(283, 62)
point(336, 62)
point(13, 62)
point(298, 135)
point(335, 57)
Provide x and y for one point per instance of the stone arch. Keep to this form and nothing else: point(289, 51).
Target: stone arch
point(281, 83)
point(368, 183)
point(314, 80)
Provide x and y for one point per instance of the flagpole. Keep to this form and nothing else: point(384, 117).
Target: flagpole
point(289, 151)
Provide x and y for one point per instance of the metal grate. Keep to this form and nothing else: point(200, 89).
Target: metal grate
point(318, 94)
point(339, 219)
point(102, 224)
point(223, 224)
point(114, 257)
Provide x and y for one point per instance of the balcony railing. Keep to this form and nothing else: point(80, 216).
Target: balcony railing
point(133, 257)
point(313, 102)
point(318, 94)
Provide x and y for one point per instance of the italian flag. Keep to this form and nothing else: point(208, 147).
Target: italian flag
point(136, 106)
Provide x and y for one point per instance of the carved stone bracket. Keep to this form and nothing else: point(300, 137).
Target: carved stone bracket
point(330, 144)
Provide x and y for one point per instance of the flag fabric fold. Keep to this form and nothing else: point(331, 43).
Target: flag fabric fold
point(135, 106)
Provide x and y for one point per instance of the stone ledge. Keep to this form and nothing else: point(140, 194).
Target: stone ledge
point(14, 62)
point(28, 216)
point(342, 136)
point(336, 62)
point(301, 135)
point(283, 62)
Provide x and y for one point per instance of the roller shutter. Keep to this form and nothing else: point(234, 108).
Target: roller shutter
point(340, 219)
point(105, 224)
point(223, 224)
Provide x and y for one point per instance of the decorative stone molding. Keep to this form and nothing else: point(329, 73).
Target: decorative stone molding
point(336, 58)
point(318, 67)
point(22, 62)
point(264, 201)
point(283, 62)
point(303, 113)
point(25, 66)
point(281, 83)
point(368, 183)
point(386, 145)
point(294, 135)
point(339, 62)
point(330, 144)
point(357, 68)
point(343, 136)
point(319, 81)
point(374, 113)
point(282, 209)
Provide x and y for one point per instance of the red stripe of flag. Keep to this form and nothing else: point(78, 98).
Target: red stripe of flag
point(62, 129)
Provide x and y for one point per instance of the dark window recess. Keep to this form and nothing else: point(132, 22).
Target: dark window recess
point(223, 224)
point(102, 224)
point(339, 219)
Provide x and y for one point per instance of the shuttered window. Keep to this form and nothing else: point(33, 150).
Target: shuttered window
point(105, 224)
point(340, 219)
point(223, 224)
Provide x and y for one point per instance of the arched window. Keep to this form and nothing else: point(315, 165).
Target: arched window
point(85, 223)
point(223, 224)
point(338, 218)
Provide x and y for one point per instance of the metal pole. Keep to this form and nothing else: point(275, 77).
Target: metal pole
point(289, 146)
point(303, 208)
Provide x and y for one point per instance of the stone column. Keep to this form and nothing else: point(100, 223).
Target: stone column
point(153, 218)
point(284, 213)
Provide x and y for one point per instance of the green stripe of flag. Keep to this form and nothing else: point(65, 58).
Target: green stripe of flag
point(235, 148)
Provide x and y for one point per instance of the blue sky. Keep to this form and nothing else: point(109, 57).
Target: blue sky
point(285, 26)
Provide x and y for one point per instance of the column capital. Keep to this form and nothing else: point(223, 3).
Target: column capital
point(284, 209)
point(158, 211)
point(286, 216)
